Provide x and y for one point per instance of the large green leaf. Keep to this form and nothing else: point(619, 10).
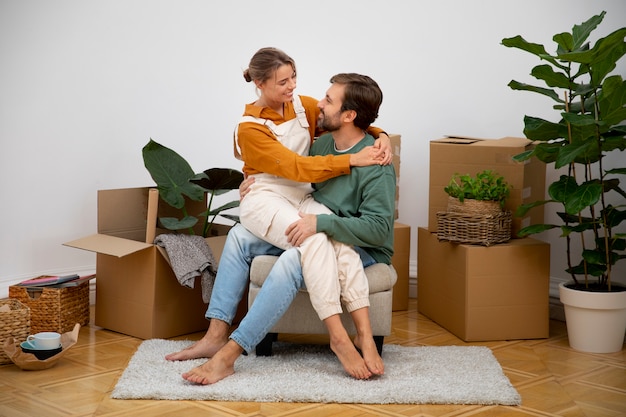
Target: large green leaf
point(580, 33)
point(586, 195)
point(561, 189)
point(171, 173)
point(534, 229)
point(536, 128)
point(220, 180)
point(172, 223)
point(534, 48)
point(552, 78)
point(516, 85)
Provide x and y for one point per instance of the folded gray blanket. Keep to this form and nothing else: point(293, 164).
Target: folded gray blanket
point(190, 256)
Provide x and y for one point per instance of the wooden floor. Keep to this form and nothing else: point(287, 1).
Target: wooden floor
point(552, 379)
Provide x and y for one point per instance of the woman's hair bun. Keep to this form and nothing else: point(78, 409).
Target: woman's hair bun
point(246, 75)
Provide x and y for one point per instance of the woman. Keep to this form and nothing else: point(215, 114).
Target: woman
point(273, 137)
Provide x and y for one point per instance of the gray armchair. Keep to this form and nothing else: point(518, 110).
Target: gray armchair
point(301, 318)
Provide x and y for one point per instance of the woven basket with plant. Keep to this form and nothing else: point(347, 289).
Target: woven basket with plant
point(475, 212)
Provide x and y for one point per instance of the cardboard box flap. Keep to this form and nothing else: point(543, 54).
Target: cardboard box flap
point(507, 142)
point(108, 245)
point(458, 139)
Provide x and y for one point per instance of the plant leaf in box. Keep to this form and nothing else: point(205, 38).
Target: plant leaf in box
point(220, 180)
point(171, 173)
point(172, 223)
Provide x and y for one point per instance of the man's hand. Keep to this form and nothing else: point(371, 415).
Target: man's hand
point(244, 187)
point(299, 230)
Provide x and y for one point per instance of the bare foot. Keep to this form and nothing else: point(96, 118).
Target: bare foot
point(221, 365)
point(203, 348)
point(350, 359)
point(370, 354)
point(209, 372)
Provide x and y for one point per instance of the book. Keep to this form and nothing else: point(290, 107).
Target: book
point(75, 282)
point(47, 280)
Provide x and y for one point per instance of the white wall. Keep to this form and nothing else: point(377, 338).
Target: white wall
point(85, 84)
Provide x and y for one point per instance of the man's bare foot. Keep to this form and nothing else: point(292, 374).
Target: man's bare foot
point(370, 354)
point(215, 337)
point(209, 372)
point(203, 348)
point(221, 365)
point(350, 359)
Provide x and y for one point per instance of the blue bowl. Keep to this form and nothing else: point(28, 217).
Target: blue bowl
point(41, 354)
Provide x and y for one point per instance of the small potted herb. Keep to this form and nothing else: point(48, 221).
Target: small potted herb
point(486, 186)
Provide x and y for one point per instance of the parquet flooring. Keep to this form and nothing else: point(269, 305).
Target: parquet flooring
point(552, 379)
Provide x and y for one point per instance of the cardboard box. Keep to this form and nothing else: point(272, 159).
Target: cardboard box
point(395, 144)
point(452, 155)
point(482, 293)
point(400, 262)
point(137, 292)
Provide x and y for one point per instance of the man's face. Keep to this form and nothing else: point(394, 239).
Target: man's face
point(330, 118)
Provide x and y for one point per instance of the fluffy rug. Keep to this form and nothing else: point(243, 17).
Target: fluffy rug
point(312, 373)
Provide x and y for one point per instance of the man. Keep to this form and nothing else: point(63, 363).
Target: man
point(363, 203)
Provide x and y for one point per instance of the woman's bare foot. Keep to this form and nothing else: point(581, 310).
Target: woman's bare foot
point(213, 340)
point(350, 359)
point(221, 365)
point(370, 354)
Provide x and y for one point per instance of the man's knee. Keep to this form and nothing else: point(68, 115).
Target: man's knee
point(288, 267)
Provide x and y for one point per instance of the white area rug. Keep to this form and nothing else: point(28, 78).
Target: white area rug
point(297, 373)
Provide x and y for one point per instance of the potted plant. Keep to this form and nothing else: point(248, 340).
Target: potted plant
point(176, 182)
point(590, 102)
point(475, 212)
point(486, 186)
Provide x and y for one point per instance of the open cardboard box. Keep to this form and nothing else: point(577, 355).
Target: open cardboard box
point(451, 155)
point(480, 293)
point(137, 292)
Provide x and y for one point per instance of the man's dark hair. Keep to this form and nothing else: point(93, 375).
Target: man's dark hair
point(363, 95)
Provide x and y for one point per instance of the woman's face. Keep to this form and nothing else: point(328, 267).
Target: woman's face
point(279, 88)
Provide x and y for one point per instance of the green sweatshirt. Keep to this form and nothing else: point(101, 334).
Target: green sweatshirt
point(363, 202)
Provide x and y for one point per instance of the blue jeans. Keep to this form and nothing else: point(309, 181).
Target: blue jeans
point(278, 291)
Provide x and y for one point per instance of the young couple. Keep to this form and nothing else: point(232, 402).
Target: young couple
point(313, 229)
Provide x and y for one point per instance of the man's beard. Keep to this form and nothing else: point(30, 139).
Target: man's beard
point(330, 123)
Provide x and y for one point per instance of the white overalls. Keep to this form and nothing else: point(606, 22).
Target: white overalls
point(331, 269)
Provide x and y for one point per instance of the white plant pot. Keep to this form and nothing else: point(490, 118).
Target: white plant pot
point(596, 322)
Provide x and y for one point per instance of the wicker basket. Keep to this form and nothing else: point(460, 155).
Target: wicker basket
point(478, 229)
point(54, 309)
point(473, 207)
point(14, 323)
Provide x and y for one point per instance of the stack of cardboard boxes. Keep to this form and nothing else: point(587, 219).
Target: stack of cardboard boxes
point(485, 293)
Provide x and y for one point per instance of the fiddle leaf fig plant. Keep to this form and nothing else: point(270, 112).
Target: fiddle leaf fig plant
point(590, 103)
point(176, 181)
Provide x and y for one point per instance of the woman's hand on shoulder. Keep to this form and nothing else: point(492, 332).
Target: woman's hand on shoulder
point(383, 149)
point(366, 157)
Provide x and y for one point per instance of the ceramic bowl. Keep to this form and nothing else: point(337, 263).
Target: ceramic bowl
point(42, 355)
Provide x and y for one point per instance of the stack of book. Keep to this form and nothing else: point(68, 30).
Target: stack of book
point(56, 281)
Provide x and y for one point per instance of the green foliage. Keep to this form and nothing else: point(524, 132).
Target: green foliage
point(591, 107)
point(486, 185)
point(176, 181)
